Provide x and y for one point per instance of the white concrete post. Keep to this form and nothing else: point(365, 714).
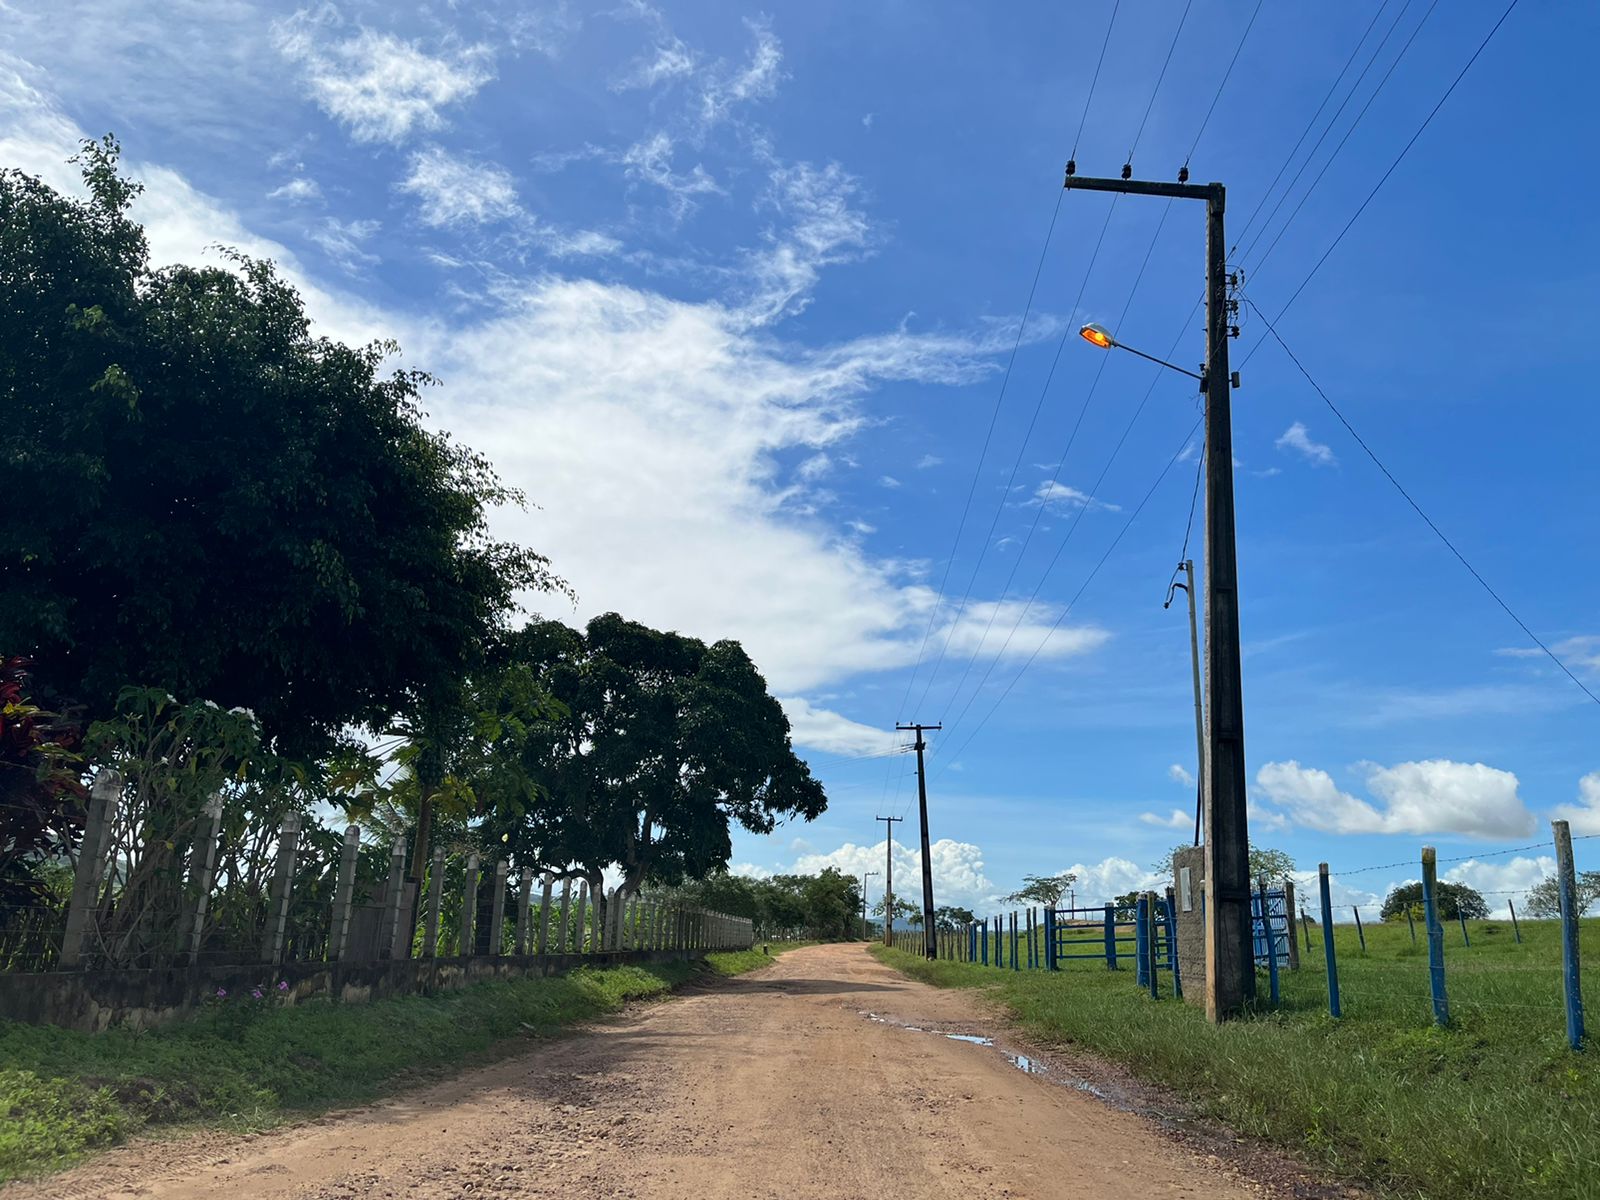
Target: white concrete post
point(282, 886)
point(544, 914)
point(430, 936)
point(103, 796)
point(524, 903)
point(469, 907)
point(344, 893)
point(497, 907)
point(394, 896)
point(203, 869)
point(582, 938)
point(566, 903)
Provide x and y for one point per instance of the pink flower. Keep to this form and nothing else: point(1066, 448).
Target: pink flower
point(255, 993)
point(222, 993)
point(283, 985)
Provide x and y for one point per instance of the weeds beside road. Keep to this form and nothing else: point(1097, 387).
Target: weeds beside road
point(252, 1064)
point(1495, 1107)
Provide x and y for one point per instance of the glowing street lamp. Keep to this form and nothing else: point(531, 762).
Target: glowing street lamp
point(1098, 335)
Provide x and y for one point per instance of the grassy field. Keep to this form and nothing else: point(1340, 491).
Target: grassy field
point(63, 1093)
point(1494, 1107)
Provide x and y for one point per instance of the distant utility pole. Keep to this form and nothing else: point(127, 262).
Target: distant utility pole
point(1187, 567)
point(888, 878)
point(930, 936)
point(1230, 958)
point(865, 875)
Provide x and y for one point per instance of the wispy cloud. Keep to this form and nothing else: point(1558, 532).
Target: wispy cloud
point(453, 191)
point(299, 190)
point(382, 89)
point(928, 460)
point(344, 241)
point(824, 729)
point(1063, 498)
point(1298, 439)
point(1582, 652)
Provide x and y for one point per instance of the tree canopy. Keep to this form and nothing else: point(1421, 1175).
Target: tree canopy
point(1043, 889)
point(1265, 863)
point(1544, 897)
point(1452, 899)
point(219, 503)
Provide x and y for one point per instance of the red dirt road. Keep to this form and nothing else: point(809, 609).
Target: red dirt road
point(776, 1084)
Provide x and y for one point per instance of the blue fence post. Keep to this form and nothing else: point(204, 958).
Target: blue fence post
point(1015, 965)
point(1272, 943)
point(1152, 945)
point(1050, 939)
point(1111, 937)
point(983, 939)
point(1172, 943)
point(1462, 918)
point(1327, 941)
point(1141, 937)
point(1360, 932)
point(1516, 930)
point(1435, 932)
point(1567, 892)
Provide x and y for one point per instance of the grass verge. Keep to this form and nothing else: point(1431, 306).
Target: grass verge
point(1496, 1106)
point(64, 1093)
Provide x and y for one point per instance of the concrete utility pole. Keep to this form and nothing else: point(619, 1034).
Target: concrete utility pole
point(930, 939)
point(1187, 567)
point(888, 880)
point(1230, 962)
point(865, 875)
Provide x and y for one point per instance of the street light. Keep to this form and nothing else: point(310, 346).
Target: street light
point(1098, 335)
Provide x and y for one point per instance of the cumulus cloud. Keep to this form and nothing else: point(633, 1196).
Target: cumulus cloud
point(823, 729)
point(456, 191)
point(1502, 883)
point(382, 89)
point(1437, 796)
point(1179, 773)
point(1298, 439)
point(1584, 816)
point(958, 870)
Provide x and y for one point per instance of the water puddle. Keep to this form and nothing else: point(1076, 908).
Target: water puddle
point(971, 1038)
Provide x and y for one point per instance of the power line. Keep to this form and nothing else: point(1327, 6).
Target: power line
point(1156, 91)
point(1100, 62)
point(1115, 542)
point(1417, 508)
point(1242, 37)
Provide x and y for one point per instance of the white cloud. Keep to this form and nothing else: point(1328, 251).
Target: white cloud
point(1342, 897)
point(757, 79)
point(1175, 819)
point(860, 527)
point(1584, 816)
point(380, 88)
point(866, 121)
point(1298, 439)
point(1432, 797)
point(957, 867)
point(823, 230)
point(749, 871)
point(298, 190)
point(928, 460)
point(668, 60)
point(815, 467)
point(1581, 652)
point(823, 729)
point(650, 161)
point(1179, 773)
point(343, 241)
point(1061, 497)
point(1102, 882)
point(455, 191)
point(888, 481)
point(1501, 882)
point(1015, 629)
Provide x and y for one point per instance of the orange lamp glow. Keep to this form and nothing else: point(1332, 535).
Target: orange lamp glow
point(1099, 335)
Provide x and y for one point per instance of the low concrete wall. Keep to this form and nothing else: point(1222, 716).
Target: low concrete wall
point(91, 1001)
point(1189, 866)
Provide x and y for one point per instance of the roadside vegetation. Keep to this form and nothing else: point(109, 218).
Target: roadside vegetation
point(1496, 1106)
point(249, 1063)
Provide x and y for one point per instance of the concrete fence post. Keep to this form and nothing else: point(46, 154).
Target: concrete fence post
point(344, 892)
point(1567, 894)
point(544, 915)
point(203, 869)
point(566, 900)
point(524, 907)
point(430, 935)
point(282, 886)
point(103, 796)
point(497, 907)
point(394, 897)
point(583, 918)
point(469, 908)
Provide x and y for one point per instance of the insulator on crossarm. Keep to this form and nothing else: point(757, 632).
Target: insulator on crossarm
point(1127, 170)
point(1072, 166)
point(1183, 174)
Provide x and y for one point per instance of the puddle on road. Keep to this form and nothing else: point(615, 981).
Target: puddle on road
point(1027, 1064)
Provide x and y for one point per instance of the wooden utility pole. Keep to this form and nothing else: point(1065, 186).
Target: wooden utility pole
point(930, 938)
point(1230, 959)
point(888, 879)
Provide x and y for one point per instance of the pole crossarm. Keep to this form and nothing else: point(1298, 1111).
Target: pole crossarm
point(1147, 187)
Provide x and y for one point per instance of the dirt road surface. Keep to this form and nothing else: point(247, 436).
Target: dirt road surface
point(825, 1075)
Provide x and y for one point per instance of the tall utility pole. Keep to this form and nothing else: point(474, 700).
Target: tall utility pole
point(888, 877)
point(1187, 567)
point(930, 936)
point(1230, 958)
point(865, 875)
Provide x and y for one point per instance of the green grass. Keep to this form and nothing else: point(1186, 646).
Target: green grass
point(736, 962)
point(1495, 1107)
point(63, 1093)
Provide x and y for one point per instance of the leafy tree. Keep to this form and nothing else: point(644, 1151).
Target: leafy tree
point(1452, 900)
point(221, 504)
point(1544, 897)
point(1265, 863)
point(1046, 890)
point(904, 910)
point(656, 745)
point(948, 919)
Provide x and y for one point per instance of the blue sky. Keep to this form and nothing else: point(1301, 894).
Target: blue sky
point(732, 295)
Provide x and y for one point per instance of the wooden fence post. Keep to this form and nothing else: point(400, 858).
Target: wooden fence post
point(203, 869)
point(1567, 894)
point(566, 900)
point(469, 908)
point(1516, 930)
point(524, 910)
point(1327, 940)
point(497, 907)
point(1360, 932)
point(430, 936)
point(1288, 924)
point(1435, 932)
point(103, 796)
point(395, 890)
point(344, 893)
point(544, 915)
point(1271, 938)
point(282, 886)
